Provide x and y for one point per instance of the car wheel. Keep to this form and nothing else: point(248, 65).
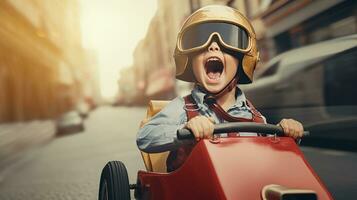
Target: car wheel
point(114, 182)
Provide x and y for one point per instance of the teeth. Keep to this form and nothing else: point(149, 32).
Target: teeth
point(212, 59)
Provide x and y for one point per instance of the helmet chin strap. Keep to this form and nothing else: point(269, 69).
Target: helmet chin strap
point(229, 87)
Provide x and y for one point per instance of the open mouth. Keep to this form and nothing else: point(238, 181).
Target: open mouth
point(214, 68)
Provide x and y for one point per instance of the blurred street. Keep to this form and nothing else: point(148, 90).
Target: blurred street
point(69, 167)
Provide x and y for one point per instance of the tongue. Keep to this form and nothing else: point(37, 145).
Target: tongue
point(213, 75)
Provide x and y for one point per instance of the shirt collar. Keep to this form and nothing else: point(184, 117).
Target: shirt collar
point(198, 95)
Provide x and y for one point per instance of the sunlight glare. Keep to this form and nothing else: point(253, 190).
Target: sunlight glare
point(113, 28)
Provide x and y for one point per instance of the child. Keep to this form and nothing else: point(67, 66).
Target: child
point(216, 49)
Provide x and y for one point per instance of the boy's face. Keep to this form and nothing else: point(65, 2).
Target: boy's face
point(213, 68)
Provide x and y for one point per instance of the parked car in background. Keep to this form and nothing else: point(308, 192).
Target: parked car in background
point(70, 122)
point(315, 84)
point(83, 109)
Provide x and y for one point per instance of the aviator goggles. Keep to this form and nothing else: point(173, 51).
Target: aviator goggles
point(198, 36)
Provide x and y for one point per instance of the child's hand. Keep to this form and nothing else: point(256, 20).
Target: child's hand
point(201, 126)
point(292, 128)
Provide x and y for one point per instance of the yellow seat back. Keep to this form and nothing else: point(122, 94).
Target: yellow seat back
point(154, 162)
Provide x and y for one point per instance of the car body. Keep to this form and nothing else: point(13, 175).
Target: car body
point(315, 84)
point(69, 122)
point(223, 168)
point(234, 168)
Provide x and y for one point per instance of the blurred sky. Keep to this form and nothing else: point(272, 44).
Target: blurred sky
point(113, 28)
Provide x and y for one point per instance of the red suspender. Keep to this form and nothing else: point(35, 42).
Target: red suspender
point(177, 157)
point(257, 116)
point(190, 107)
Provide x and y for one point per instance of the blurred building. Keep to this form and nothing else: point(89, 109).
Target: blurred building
point(152, 61)
point(282, 25)
point(42, 61)
point(127, 94)
point(90, 77)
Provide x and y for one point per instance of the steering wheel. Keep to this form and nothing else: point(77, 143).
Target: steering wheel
point(229, 127)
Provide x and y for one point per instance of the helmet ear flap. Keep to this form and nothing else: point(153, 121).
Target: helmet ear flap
point(184, 68)
point(181, 62)
point(249, 63)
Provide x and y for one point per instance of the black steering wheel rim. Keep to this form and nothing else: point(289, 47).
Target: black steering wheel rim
point(263, 129)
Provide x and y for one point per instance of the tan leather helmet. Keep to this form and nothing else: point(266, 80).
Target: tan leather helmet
point(215, 15)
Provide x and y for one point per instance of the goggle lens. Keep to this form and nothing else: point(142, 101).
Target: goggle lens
point(231, 35)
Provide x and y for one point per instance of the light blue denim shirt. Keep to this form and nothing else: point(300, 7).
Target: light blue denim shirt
point(159, 134)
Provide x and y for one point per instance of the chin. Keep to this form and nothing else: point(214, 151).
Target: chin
point(213, 88)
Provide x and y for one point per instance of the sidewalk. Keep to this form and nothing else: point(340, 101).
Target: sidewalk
point(17, 138)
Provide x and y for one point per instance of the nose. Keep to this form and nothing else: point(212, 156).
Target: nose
point(213, 46)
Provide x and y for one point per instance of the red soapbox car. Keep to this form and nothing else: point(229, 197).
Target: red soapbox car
point(238, 168)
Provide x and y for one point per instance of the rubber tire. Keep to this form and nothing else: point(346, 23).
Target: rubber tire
point(114, 179)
